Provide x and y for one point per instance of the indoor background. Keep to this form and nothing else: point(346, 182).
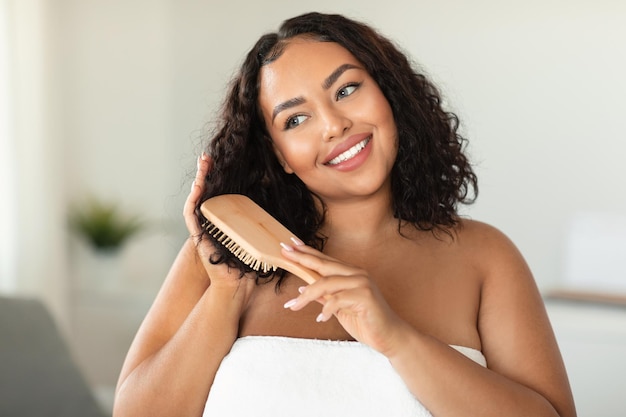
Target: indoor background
point(114, 98)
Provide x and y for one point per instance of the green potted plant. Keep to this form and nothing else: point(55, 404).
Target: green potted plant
point(103, 224)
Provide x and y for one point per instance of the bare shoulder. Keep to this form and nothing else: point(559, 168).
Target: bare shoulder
point(506, 277)
point(491, 250)
point(479, 235)
point(515, 332)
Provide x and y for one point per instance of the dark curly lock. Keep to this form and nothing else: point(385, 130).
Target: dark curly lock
point(431, 174)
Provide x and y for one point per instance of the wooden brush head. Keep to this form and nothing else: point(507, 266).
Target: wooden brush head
point(250, 233)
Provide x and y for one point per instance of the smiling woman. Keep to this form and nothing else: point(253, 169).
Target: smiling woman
point(417, 311)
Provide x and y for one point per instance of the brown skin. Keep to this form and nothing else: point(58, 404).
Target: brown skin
point(407, 295)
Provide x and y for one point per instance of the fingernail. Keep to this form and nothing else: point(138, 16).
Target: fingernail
point(204, 156)
point(297, 241)
point(286, 247)
point(320, 318)
point(290, 303)
point(193, 184)
point(301, 289)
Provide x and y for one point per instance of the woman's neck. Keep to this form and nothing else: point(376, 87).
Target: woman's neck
point(359, 222)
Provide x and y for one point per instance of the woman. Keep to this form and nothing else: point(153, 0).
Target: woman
point(329, 128)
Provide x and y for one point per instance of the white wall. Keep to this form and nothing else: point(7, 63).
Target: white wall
point(115, 60)
point(7, 169)
point(33, 197)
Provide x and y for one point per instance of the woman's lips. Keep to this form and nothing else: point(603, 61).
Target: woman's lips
point(347, 149)
point(350, 153)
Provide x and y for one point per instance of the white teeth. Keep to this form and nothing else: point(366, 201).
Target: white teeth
point(350, 153)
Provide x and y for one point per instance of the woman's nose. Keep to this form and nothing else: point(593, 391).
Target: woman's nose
point(336, 123)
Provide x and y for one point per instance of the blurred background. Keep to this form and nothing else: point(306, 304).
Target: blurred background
point(110, 101)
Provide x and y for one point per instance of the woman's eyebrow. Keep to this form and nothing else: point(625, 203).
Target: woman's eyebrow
point(285, 105)
point(330, 80)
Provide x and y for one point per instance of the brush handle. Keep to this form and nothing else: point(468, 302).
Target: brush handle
point(307, 275)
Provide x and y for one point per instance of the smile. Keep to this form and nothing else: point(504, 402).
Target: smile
point(350, 153)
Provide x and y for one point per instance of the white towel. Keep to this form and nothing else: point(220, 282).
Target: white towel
point(282, 376)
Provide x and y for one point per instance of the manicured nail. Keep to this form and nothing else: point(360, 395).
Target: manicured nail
point(320, 318)
point(286, 247)
point(297, 241)
point(290, 303)
point(301, 289)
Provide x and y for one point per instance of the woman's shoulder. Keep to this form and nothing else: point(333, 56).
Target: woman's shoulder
point(489, 247)
point(475, 234)
point(479, 229)
point(469, 241)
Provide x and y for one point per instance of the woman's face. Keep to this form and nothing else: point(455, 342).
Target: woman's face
point(329, 121)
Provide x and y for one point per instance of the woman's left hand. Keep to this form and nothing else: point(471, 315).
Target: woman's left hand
point(348, 293)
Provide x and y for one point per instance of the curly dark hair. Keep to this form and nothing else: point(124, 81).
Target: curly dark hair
point(431, 174)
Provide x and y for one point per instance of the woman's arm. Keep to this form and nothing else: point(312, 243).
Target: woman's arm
point(525, 375)
point(189, 329)
point(171, 364)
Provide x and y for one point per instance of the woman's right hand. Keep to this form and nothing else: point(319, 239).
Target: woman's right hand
point(219, 275)
point(204, 247)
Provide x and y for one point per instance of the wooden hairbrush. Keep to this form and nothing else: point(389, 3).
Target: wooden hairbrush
point(251, 234)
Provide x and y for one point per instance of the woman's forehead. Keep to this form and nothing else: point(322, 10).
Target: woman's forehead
point(309, 54)
point(305, 60)
point(303, 68)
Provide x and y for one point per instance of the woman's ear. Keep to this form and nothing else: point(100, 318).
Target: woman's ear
point(281, 160)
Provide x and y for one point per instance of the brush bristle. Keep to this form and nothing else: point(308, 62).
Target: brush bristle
point(237, 250)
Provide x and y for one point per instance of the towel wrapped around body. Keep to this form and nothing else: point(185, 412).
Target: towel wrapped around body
point(282, 376)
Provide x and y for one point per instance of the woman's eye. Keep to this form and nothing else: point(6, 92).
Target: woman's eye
point(294, 121)
point(347, 90)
